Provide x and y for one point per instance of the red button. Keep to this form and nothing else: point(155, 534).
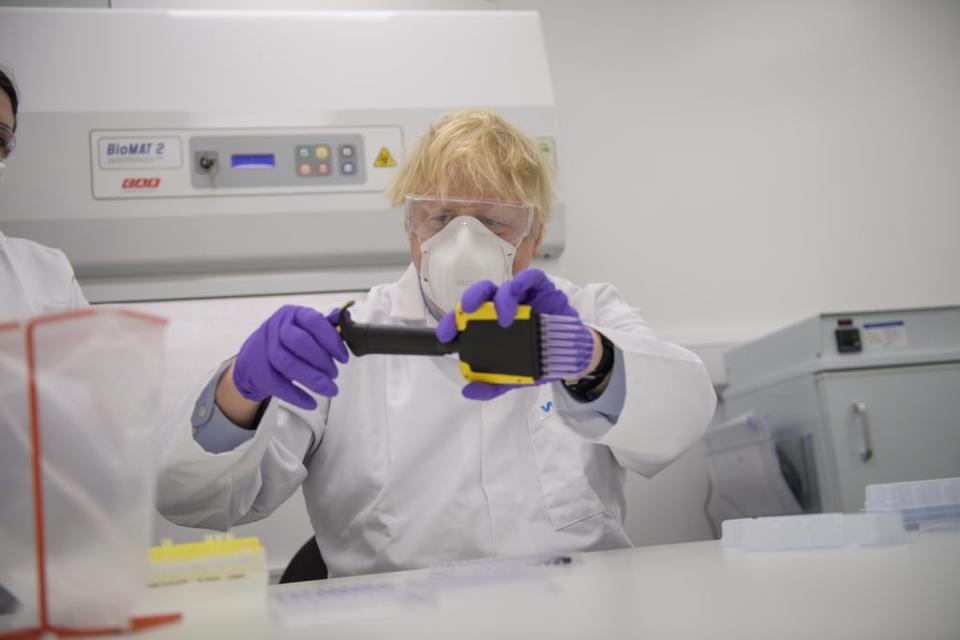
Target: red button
point(323, 168)
point(304, 169)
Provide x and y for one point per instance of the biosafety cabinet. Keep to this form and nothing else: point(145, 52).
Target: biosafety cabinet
point(194, 154)
point(853, 399)
point(238, 155)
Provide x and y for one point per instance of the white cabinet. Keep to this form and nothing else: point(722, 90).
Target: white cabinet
point(855, 399)
point(891, 425)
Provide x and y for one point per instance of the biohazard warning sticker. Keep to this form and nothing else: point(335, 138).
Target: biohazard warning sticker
point(384, 159)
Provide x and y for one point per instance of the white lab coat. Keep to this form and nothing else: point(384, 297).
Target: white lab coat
point(400, 471)
point(35, 279)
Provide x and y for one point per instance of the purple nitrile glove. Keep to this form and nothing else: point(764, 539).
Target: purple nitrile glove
point(294, 344)
point(530, 286)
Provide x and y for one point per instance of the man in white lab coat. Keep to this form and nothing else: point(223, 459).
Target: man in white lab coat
point(33, 278)
point(402, 465)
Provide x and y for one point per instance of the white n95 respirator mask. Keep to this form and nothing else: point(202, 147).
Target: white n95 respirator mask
point(461, 253)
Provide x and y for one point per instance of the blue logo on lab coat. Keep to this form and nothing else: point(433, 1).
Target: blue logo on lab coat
point(546, 407)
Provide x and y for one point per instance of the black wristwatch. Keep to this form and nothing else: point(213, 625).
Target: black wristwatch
point(582, 388)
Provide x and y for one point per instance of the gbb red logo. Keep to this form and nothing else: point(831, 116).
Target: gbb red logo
point(141, 183)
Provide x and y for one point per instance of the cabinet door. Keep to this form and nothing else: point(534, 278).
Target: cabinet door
point(891, 425)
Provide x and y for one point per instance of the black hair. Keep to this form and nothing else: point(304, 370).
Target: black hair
point(7, 86)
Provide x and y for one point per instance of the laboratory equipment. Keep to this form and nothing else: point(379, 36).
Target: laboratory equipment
point(813, 531)
point(77, 448)
point(924, 504)
point(201, 576)
point(236, 98)
point(748, 475)
point(217, 558)
point(854, 399)
point(534, 347)
point(219, 153)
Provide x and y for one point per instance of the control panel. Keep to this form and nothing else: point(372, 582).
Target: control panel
point(848, 337)
point(856, 334)
point(230, 162)
point(238, 162)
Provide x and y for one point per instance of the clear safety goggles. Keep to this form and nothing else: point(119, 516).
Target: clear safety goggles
point(425, 216)
point(8, 141)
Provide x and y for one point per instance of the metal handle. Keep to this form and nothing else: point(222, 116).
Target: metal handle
point(860, 410)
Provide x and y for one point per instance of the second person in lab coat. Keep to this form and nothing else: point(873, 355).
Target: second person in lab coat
point(402, 465)
point(34, 279)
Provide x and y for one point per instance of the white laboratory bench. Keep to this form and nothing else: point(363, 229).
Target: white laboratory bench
point(696, 590)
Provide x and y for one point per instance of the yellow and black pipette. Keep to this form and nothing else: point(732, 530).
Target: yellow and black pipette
point(533, 347)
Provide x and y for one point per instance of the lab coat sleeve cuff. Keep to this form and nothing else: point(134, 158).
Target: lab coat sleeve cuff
point(592, 420)
point(668, 404)
point(610, 402)
point(212, 430)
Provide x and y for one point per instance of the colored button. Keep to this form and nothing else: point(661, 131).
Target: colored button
point(348, 168)
point(323, 168)
point(346, 151)
point(321, 151)
point(303, 152)
point(304, 169)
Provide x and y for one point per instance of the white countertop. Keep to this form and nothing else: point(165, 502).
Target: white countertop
point(697, 590)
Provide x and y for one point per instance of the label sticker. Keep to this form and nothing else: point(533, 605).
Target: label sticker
point(127, 153)
point(548, 148)
point(884, 335)
point(384, 159)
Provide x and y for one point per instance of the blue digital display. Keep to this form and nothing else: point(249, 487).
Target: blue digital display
point(253, 161)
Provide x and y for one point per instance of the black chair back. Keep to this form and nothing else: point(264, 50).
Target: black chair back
point(306, 564)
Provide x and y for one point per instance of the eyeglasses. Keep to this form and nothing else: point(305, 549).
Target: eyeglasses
point(426, 216)
point(8, 141)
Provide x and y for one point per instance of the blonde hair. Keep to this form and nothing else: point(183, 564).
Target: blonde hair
point(477, 149)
